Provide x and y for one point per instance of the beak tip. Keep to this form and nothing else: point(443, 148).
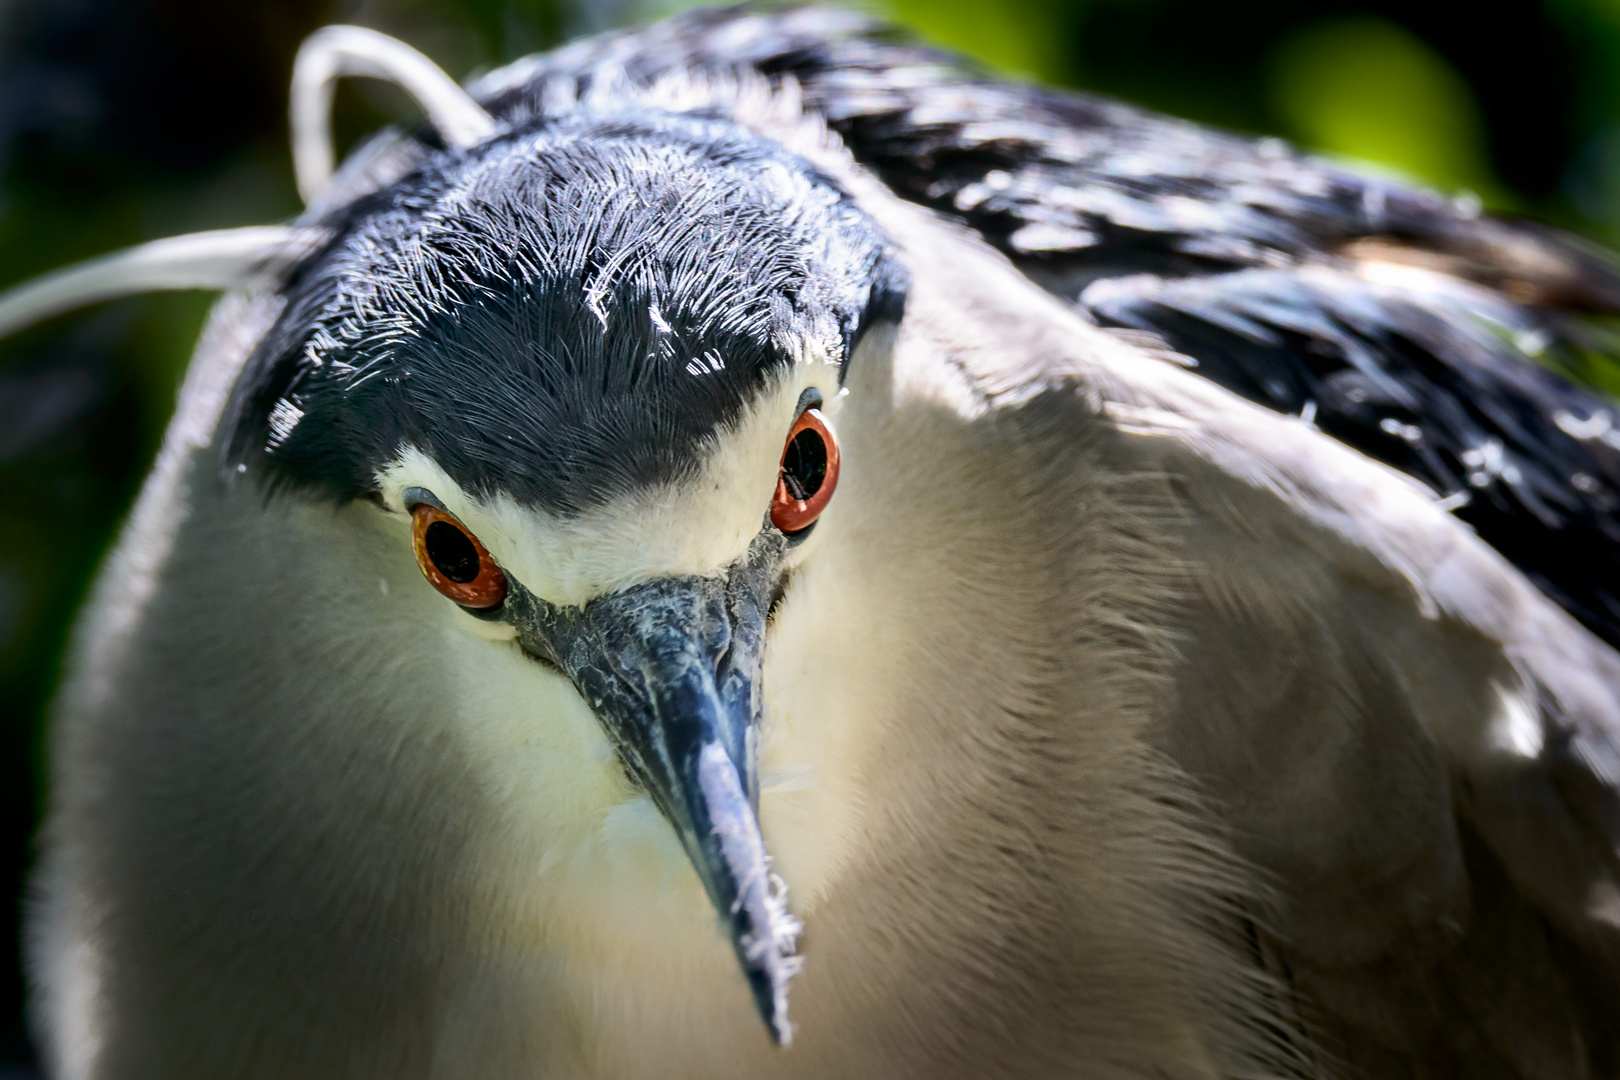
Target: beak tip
point(770, 964)
point(771, 997)
point(764, 933)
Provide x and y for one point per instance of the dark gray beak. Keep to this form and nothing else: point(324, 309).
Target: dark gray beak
point(672, 669)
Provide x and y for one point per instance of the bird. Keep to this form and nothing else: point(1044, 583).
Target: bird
point(747, 546)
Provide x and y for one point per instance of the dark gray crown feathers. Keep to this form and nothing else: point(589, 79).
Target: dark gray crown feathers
point(562, 313)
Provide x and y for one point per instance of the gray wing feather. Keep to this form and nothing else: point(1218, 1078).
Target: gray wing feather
point(1421, 749)
point(1416, 747)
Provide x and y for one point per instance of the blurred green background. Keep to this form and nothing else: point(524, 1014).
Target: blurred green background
point(124, 120)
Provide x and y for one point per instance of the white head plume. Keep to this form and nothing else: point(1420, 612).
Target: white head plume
point(336, 51)
point(206, 260)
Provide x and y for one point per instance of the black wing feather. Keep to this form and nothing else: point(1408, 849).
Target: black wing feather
point(1434, 384)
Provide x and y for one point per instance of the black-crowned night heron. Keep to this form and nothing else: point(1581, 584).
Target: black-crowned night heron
point(754, 446)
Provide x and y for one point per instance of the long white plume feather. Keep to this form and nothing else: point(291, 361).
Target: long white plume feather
point(205, 260)
point(336, 51)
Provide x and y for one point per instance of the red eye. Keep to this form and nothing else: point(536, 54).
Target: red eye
point(453, 560)
point(808, 476)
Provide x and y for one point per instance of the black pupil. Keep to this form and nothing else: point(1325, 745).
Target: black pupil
point(452, 552)
point(804, 466)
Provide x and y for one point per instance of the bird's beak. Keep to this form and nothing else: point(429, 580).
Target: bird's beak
point(671, 667)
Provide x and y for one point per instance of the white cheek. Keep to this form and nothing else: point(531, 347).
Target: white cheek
point(579, 852)
point(540, 747)
point(493, 630)
point(644, 857)
point(810, 805)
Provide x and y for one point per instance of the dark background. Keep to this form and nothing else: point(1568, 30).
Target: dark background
point(126, 120)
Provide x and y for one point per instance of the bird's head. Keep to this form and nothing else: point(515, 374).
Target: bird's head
point(591, 370)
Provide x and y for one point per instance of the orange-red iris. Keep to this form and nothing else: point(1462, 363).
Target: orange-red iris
point(807, 475)
point(453, 560)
